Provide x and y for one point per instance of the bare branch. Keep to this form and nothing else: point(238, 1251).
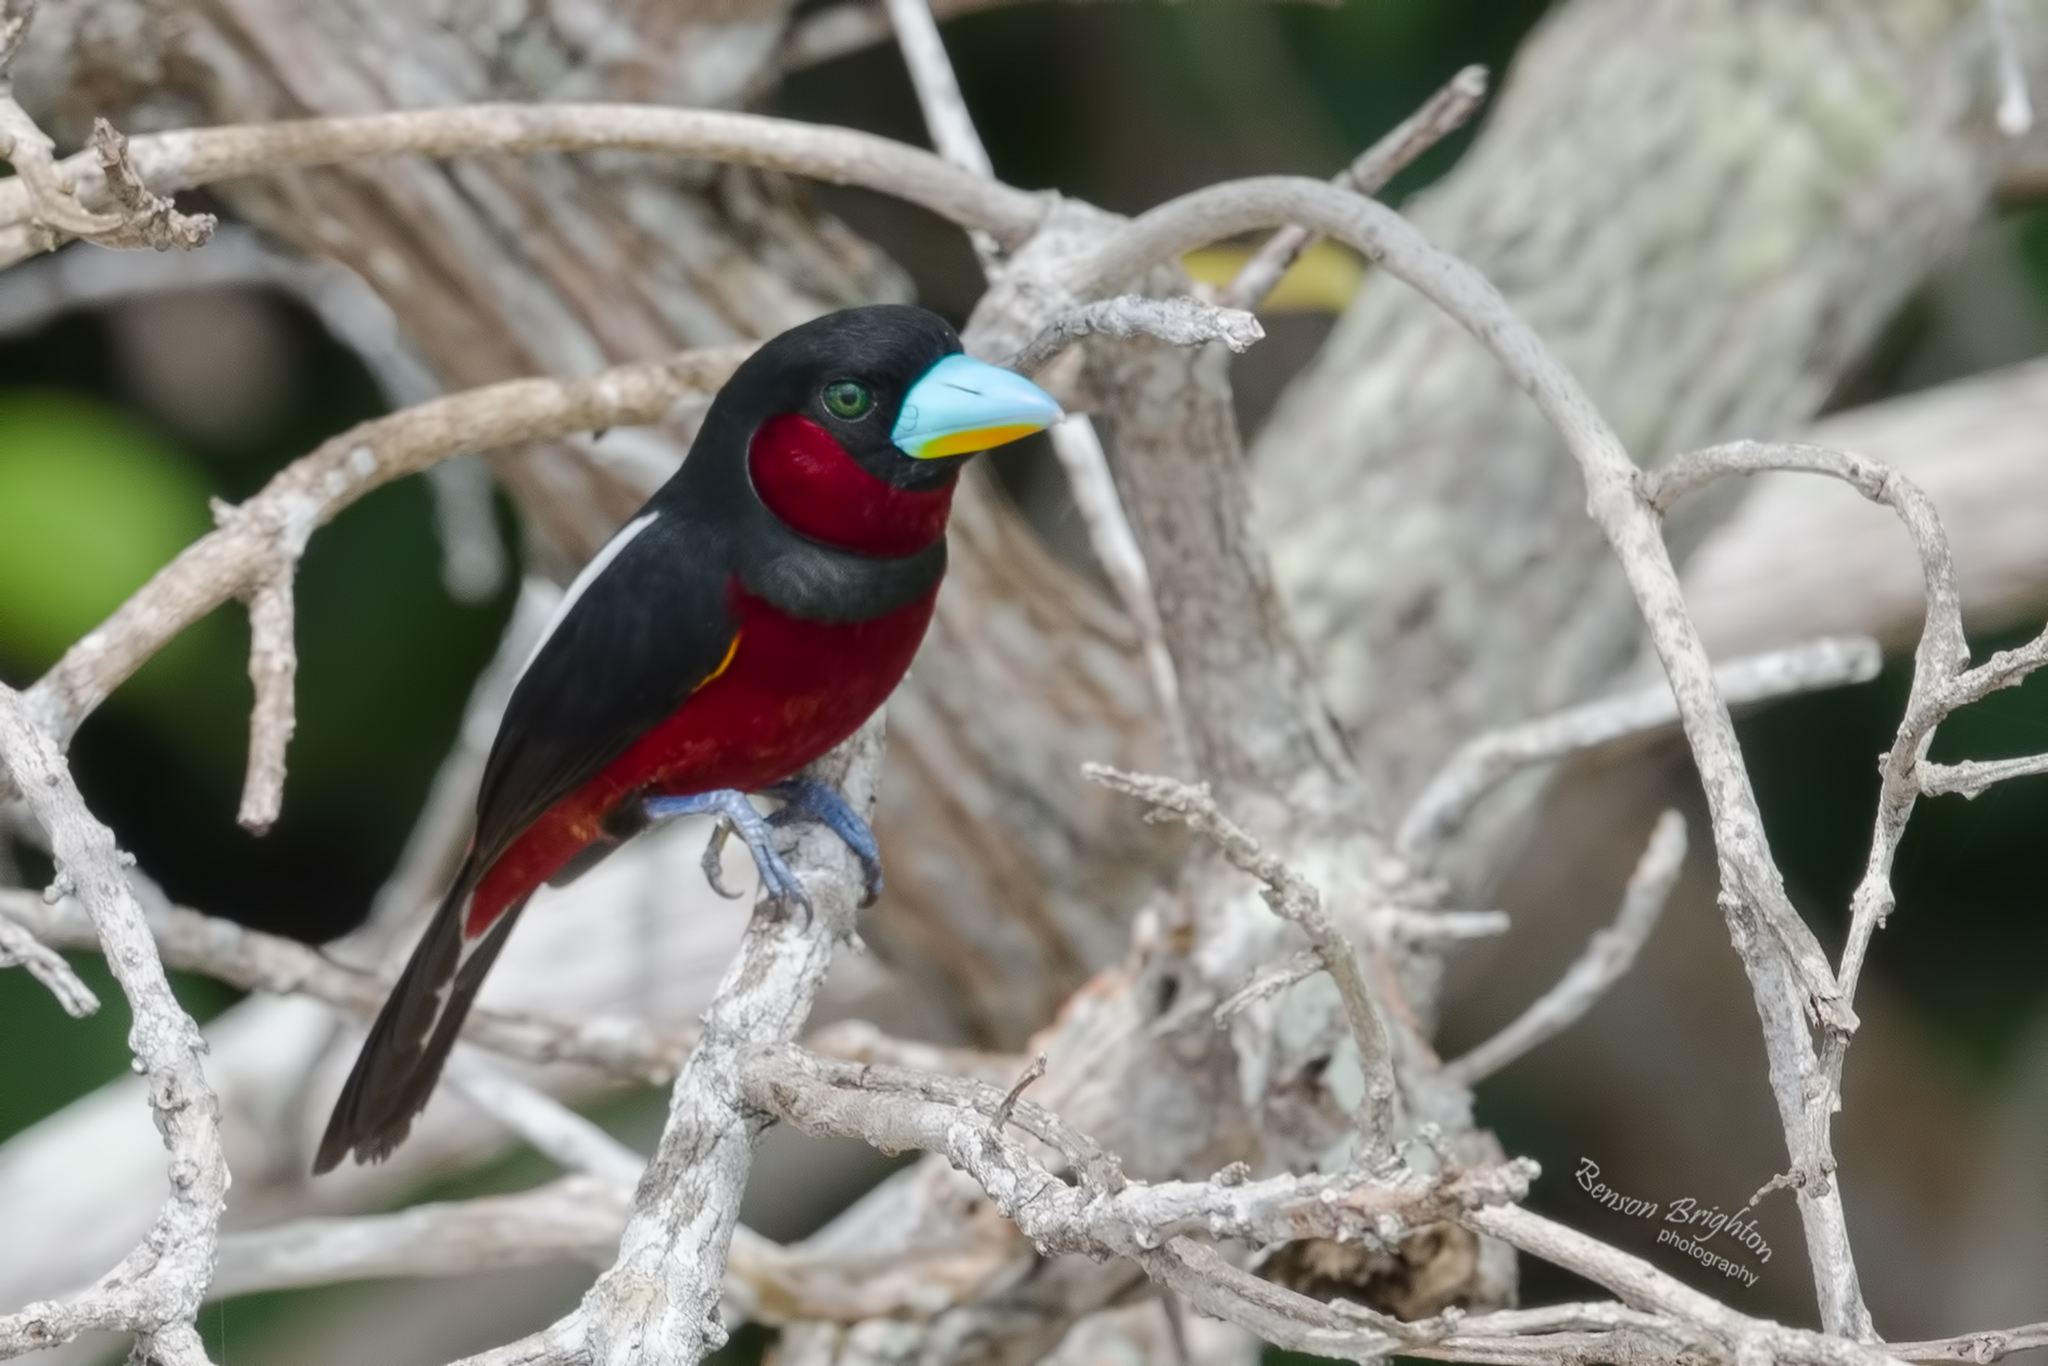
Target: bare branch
point(254, 961)
point(1270, 980)
point(273, 665)
point(161, 1283)
point(631, 1049)
point(1008, 1107)
point(1482, 762)
point(554, 1130)
point(1643, 1287)
point(1975, 1348)
point(1972, 777)
point(1079, 451)
point(1440, 115)
point(1608, 957)
point(1157, 1226)
point(1939, 683)
point(48, 191)
point(1294, 899)
point(193, 157)
point(938, 89)
point(145, 219)
point(20, 949)
point(895, 1110)
point(576, 1218)
point(1177, 322)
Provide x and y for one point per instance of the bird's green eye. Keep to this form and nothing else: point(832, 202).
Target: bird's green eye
point(848, 399)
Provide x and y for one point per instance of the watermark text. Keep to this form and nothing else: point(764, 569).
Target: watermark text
point(1689, 1224)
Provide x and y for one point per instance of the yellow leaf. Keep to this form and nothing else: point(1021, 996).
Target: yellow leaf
point(1322, 280)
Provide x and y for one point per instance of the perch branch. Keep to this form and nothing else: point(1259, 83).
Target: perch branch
point(160, 1284)
point(1441, 114)
point(1483, 761)
point(659, 1302)
point(1294, 899)
point(1606, 960)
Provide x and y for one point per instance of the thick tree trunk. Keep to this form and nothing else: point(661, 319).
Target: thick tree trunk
point(1710, 208)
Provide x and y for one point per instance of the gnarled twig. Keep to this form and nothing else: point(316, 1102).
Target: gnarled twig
point(1607, 958)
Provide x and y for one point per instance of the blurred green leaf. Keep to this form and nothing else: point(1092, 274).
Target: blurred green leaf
point(90, 506)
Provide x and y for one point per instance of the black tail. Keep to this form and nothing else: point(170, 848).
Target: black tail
point(408, 1045)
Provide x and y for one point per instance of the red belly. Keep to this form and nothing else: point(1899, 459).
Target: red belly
point(792, 690)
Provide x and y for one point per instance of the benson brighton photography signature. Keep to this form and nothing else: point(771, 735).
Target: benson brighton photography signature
point(1688, 1224)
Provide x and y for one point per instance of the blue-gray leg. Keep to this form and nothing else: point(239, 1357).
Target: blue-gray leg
point(737, 812)
point(808, 798)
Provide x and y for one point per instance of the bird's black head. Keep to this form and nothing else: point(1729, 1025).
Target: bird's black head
point(849, 373)
point(849, 431)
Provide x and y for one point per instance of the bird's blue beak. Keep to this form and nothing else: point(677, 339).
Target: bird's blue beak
point(962, 405)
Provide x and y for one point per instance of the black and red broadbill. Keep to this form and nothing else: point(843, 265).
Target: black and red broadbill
point(761, 606)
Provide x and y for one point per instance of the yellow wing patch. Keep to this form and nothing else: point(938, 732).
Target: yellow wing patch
point(723, 664)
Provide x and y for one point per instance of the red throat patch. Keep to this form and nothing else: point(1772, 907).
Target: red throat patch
point(809, 481)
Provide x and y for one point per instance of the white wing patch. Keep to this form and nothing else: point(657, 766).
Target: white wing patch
point(598, 564)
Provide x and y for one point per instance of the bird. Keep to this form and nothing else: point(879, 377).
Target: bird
point(761, 605)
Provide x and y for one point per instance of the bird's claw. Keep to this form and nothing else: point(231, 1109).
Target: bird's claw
point(714, 859)
point(807, 797)
point(780, 884)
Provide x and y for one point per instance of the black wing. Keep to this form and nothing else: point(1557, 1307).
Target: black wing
point(642, 634)
point(649, 624)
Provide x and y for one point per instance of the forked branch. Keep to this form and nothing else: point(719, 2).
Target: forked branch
point(156, 1291)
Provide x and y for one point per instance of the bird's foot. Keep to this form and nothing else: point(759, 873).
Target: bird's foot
point(736, 813)
point(808, 798)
